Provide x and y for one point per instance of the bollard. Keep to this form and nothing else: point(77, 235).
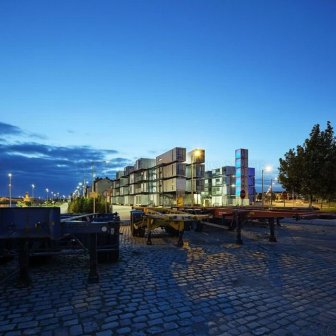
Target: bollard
point(180, 239)
point(24, 279)
point(149, 238)
point(272, 237)
point(238, 220)
point(93, 274)
point(223, 219)
point(232, 224)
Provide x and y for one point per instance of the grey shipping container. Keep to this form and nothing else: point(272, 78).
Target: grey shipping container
point(128, 170)
point(144, 163)
point(173, 155)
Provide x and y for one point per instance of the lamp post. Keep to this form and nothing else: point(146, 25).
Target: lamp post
point(194, 156)
point(192, 183)
point(33, 187)
point(272, 189)
point(106, 192)
point(93, 189)
point(47, 191)
point(10, 189)
point(267, 169)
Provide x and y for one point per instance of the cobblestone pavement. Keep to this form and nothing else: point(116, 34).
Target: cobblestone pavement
point(211, 286)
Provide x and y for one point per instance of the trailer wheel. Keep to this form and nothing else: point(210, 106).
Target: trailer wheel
point(134, 231)
point(141, 232)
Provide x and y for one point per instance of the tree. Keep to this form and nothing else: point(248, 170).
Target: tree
point(328, 169)
point(85, 205)
point(311, 168)
point(290, 170)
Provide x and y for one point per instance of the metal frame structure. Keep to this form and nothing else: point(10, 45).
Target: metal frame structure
point(172, 220)
point(29, 232)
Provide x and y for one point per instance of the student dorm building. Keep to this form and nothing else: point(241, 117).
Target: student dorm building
point(178, 178)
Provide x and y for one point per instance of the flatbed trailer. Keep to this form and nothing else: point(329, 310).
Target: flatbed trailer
point(238, 216)
point(172, 220)
point(41, 231)
point(175, 219)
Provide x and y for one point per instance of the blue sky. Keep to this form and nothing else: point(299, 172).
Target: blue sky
point(89, 81)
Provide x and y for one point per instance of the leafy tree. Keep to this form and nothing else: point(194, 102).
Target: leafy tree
point(85, 205)
point(328, 169)
point(290, 170)
point(311, 168)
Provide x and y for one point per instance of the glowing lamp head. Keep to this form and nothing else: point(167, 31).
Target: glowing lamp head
point(197, 153)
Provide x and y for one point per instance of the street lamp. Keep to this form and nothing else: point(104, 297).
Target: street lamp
point(47, 191)
point(196, 154)
point(267, 169)
point(275, 179)
point(93, 189)
point(10, 189)
point(33, 187)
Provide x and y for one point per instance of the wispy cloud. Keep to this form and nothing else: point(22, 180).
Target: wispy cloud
point(11, 130)
point(57, 168)
point(7, 129)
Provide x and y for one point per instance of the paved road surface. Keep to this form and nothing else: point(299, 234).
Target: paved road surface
point(211, 286)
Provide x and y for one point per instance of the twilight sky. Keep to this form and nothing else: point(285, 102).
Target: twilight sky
point(85, 82)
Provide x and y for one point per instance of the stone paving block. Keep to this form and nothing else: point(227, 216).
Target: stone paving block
point(61, 331)
point(141, 318)
point(28, 324)
point(104, 333)
point(7, 327)
point(68, 323)
point(110, 325)
point(125, 322)
point(76, 330)
point(261, 331)
point(90, 327)
point(155, 330)
point(170, 318)
point(13, 333)
point(185, 315)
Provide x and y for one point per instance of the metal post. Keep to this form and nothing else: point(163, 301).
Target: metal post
point(238, 217)
point(10, 189)
point(180, 234)
point(271, 191)
point(272, 237)
point(149, 238)
point(93, 189)
point(93, 274)
point(24, 279)
point(192, 182)
point(262, 187)
point(149, 234)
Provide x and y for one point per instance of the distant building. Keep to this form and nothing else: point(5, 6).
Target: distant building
point(172, 178)
point(220, 187)
point(176, 178)
point(102, 186)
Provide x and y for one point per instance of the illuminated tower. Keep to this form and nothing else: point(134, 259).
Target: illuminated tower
point(241, 163)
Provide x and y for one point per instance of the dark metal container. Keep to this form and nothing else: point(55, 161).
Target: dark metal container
point(30, 223)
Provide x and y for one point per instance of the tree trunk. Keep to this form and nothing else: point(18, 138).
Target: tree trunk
point(310, 201)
